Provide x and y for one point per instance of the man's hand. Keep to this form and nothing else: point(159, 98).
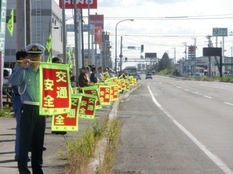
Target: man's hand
point(25, 63)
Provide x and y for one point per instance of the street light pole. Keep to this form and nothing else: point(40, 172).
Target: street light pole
point(116, 40)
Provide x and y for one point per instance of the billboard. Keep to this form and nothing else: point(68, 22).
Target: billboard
point(98, 35)
point(191, 52)
point(2, 25)
point(210, 51)
point(83, 4)
point(97, 21)
point(150, 55)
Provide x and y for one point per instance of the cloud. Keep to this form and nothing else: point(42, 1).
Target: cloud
point(166, 1)
point(133, 3)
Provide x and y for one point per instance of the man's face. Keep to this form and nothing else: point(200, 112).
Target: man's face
point(35, 57)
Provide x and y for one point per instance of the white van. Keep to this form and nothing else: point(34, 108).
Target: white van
point(6, 74)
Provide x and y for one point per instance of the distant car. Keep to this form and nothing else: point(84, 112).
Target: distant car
point(197, 75)
point(138, 77)
point(230, 73)
point(149, 76)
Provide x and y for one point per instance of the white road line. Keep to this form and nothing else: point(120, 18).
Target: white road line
point(195, 92)
point(228, 103)
point(210, 154)
point(206, 96)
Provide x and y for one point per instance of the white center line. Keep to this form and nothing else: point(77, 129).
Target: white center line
point(218, 161)
point(206, 96)
point(195, 92)
point(228, 103)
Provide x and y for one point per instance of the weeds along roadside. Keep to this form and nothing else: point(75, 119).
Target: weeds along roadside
point(113, 133)
point(6, 111)
point(79, 151)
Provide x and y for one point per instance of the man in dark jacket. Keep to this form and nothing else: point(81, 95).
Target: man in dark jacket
point(93, 77)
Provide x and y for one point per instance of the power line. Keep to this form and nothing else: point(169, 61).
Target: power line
point(196, 17)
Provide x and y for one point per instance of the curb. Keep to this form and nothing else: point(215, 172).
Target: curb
point(99, 153)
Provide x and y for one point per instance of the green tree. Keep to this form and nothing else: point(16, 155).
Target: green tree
point(165, 62)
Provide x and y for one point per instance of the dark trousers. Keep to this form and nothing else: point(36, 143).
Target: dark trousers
point(32, 130)
point(17, 110)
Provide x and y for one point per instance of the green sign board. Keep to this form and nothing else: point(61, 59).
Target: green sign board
point(3, 6)
point(220, 32)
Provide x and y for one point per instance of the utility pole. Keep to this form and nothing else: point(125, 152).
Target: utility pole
point(76, 68)
point(28, 22)
point(185, 57)
point(103, 50)
point(195, 48)
point(82, 38)
point(174, 55)
point(79, 39)
point(209, 45)
point(88, 36)
point(121, 53)
point(64, 31)
point(185, 50)
point(20, 24)
point(231, 59)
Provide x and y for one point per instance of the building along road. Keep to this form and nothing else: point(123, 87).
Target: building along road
point(176, 126)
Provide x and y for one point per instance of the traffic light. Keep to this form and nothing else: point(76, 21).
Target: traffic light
point(126, 59)
point(142, 48)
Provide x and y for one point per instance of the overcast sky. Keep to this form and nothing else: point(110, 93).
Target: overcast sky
point(166, 25)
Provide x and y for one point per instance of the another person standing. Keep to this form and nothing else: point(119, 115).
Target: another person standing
point(87, 72)
point(32, 125)
point(20, 55)
point(93, 77)
point(82, 79)
point(56, 60)
point(100, 73)
point(109, 71)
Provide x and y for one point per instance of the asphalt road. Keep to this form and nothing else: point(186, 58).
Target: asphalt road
point(178, 127)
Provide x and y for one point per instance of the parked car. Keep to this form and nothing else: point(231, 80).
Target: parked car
point(149, 76)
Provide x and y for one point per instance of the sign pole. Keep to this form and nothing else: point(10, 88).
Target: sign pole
point(64, 31)
point(76, 32)
point(89, 57)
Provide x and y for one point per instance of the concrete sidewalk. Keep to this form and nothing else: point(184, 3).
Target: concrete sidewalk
point(54, 144)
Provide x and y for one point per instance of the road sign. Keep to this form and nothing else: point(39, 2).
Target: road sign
point(70, 28)
point(207, 51)
point(131, 47)
point(220, 32)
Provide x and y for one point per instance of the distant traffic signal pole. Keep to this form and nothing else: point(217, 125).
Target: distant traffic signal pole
point(116, 40)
